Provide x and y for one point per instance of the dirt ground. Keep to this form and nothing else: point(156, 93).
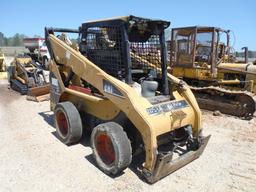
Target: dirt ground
point(33, 159)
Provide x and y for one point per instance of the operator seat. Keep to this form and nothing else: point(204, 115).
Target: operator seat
point(149, 86)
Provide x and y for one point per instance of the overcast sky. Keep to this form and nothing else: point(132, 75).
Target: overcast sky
point(29, 17)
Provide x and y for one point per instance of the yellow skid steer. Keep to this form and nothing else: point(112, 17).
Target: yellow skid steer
point(27, 78)
point(112, 84)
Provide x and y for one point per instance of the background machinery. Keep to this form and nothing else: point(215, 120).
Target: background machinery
point(3, 73)
point(37, 50)
point(2, 62)
point(28, 78)
point(203, 57)
point(113, 85)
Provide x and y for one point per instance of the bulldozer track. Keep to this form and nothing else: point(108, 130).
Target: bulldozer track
point(237, 103)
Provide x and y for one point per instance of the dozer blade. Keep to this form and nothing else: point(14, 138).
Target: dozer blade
point(40, 93)
point(165, 165)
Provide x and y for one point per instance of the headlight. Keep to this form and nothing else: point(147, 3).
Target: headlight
point(111, 89)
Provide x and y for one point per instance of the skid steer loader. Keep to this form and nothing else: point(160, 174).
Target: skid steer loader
point(27, 78)
point(203, 57)
point(112, 85)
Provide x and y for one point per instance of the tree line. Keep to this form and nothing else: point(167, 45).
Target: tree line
point(251, 54)
point(16, 40)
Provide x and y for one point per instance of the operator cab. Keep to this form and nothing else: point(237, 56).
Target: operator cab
point(199, 47)
point(131, 49)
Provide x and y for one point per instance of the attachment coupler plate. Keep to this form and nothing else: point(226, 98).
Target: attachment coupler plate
point(165, 165)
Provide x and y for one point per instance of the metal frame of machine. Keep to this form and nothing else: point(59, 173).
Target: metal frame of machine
point(2, 62)
point(27, 78)
point(114, 78)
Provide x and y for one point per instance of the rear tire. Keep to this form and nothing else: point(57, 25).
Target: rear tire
point(68, 123)
point(111, 148)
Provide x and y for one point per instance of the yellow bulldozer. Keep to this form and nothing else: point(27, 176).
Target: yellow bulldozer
point(2, 62)
point(203, 57)
point(3, 74)
point(26, 77)
point(107, 84)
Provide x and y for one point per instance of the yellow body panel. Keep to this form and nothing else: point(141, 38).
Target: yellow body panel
point(2, 62)
point(21, 64)
point(240, 66)
point(3, 75)
point(193, 73)
point(246, 69)
point(249, 70)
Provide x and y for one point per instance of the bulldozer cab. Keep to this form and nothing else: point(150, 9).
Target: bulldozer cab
point(199, 47)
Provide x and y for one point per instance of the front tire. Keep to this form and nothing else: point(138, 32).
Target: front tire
point(111, 148)
point(68, 123)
